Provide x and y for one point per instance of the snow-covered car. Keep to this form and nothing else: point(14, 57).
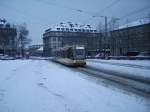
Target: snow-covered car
point(144, 54)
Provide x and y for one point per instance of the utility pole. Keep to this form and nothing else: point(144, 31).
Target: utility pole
point(105, 26)
point(128, 41)
point(105, 37)
point(104, 40)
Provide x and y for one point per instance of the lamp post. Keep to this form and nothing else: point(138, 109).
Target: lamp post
point(105, 41)
point(105, 33)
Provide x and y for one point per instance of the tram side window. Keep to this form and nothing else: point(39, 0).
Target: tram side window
point(64, 54)
point(70, 53)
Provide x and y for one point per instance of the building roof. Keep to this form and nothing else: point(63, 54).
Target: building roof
point(134, 23)
point(71, 27)
point(40, 49)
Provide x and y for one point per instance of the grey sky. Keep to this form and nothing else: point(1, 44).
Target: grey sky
point(42, 14)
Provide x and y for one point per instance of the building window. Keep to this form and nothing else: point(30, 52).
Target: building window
point(67, 29)
point(79, 30)
point(87, 30)
point(63, 29)
point(83, 30)
point(59, 39)
point(54, 38)
point(91, 30)
point(54, 46)
point(58, 29)
point(71, 29)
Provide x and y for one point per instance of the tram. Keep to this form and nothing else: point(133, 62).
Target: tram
point(70, 55)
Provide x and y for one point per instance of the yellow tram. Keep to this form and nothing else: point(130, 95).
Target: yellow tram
point(70, 55)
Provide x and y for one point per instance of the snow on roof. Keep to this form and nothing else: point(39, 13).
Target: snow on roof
point(1, 24)
point(135, 23)
point(40, 49)
point(72, 27)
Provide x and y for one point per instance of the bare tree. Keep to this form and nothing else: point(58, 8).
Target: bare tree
point(113, 24)
point(100, 28)
point(23, 39)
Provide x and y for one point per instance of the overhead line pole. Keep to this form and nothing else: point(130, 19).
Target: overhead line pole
point(105, 37)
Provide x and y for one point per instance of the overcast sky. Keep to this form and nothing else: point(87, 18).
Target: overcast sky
point(39, 15)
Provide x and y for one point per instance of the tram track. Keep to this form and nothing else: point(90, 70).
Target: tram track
point(138, 85)
point(141, 86)
point(121, 64)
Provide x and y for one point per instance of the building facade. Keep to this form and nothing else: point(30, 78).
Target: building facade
point(7, 40)
point(60, 37)
point(134, 39)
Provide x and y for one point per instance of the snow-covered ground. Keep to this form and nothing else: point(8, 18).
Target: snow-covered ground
point(42, 86)
point(134, 62)
point(122, 69)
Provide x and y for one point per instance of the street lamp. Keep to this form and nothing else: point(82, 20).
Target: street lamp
point(105, 34)
point(105, 44)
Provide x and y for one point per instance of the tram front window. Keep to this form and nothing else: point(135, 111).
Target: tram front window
point(79, 54)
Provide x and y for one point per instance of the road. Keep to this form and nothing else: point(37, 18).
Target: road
point(43, 86)
point(118, 63)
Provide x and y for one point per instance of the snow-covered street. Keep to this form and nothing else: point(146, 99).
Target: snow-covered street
point(140, 68)
point(43, 86)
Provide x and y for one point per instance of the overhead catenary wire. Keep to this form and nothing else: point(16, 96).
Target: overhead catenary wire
point(102, 10)
point(126, 17)
point(59, 5)
point(77, 10)
point(109, 6)
point(64, 6)
point(135, 12)
point(22, 13)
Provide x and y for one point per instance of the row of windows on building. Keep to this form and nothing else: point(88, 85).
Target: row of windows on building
point(55, 42)
point(55, 39)
point(134, 31)
point(76, 30)
point(55, 45)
